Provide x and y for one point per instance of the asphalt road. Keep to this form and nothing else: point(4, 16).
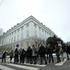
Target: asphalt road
point(63, 65)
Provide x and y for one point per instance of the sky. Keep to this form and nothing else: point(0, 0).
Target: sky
point(54, 14)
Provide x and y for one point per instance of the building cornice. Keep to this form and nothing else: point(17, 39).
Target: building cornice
point(29, 19)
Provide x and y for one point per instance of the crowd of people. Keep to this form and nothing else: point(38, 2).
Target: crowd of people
point(41, 54)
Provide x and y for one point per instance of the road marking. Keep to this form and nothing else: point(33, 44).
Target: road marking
point(5, 68)
point(35, 65)
point(61, 63)
point(24, 67)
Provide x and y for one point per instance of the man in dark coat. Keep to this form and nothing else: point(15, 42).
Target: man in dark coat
point(67, 51)
point(16, 54)
point(29, 55)
point(50, 53)
point(4, 56)
point(22, 56)
point(42, 53)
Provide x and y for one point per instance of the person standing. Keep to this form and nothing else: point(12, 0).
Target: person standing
point(42, 53)
point(50, 53)
point(34, 54)
point(11, 56)
point(61, 50)
point(67, 51)
point(4, 56)
point(57, 51)
point(22, 56)
point(29, 55)
point(16, 54)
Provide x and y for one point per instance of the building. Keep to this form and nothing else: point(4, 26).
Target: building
point(28, 32)
point(1, 31)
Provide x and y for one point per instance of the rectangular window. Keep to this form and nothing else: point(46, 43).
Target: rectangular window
point(14, 39)
point(35, 25)
point(22, 28)
point(27, 33)
point(18, 30)
point(27, 24)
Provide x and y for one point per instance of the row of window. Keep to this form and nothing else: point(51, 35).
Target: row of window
point(17, 38)
point(23, 27)
point(21, 32)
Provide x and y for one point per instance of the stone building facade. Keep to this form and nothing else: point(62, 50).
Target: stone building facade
point(28, 32)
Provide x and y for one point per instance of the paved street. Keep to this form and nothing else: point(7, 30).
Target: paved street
point(10, 66)
point(60, 66)
point(63, 65)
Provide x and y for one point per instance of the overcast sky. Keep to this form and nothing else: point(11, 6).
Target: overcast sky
point(55, 14)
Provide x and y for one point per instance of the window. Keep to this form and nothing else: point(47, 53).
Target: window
point(12, 33)
point(35, 25)
point(27, 43)
point(42, 30)
point(14, 39)
point(27, 24)
point(17, 37)
point(27, 33)
point(35, 33)
point(39, 28)
point(15, 31)
point(22, 28)
point(18, 30)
